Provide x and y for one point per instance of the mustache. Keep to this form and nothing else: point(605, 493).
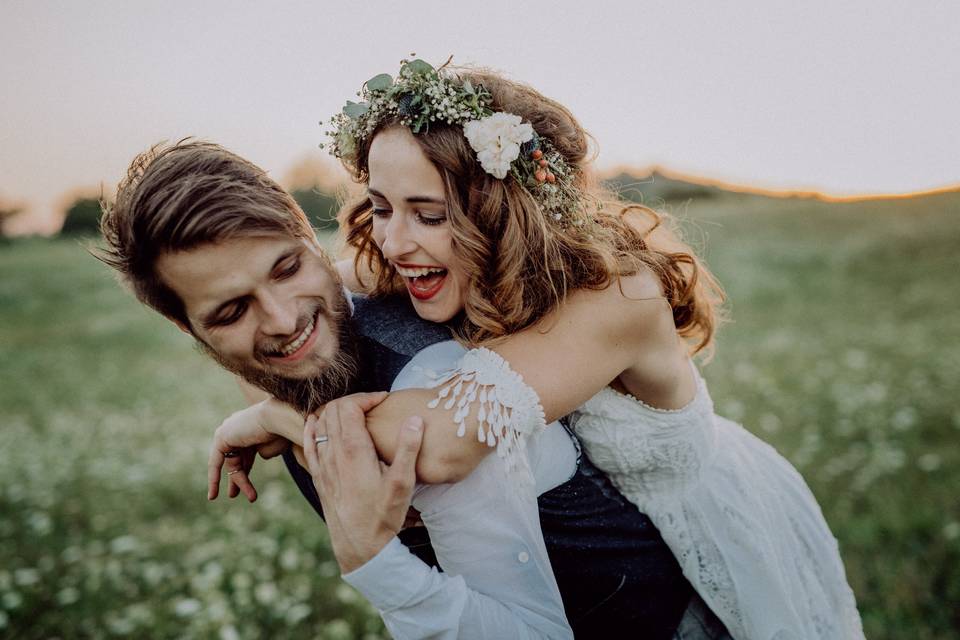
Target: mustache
point(265, 349)
point(337, 376)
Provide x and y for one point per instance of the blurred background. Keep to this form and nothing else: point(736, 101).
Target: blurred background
point(810, 152)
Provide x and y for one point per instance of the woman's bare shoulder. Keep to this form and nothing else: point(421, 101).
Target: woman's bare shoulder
point(626, 306)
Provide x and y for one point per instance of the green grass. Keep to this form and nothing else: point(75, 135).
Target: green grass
point(843, 353)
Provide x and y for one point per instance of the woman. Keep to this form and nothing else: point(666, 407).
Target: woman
point(479, 205)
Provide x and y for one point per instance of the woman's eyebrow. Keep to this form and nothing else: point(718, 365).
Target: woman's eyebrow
point(411, 199)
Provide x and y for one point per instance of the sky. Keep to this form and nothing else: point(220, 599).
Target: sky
point(847, 98)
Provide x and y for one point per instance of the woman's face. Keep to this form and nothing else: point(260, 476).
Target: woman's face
point(410, 224)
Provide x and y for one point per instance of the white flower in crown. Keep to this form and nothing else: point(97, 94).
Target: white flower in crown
point(497, 139)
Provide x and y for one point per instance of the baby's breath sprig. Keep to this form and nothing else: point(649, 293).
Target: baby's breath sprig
point(418, 96)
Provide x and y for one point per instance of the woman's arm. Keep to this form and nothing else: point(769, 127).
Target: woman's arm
point(622, 334)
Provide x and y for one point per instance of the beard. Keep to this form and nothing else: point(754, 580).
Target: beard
point(335, 378)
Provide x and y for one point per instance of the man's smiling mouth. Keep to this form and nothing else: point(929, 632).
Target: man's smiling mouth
point(294, 349)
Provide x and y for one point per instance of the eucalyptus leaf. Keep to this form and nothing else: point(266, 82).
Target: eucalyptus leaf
point(380, 82)
point(468, 86)
point(355, 110)
point(419, 67)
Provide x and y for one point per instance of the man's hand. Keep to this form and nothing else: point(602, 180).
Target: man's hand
point(364, 500)
point(236, 443)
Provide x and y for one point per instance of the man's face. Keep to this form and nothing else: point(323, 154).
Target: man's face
point(269, 308)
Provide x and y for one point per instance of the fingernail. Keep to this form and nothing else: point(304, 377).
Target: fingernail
point(415, 423)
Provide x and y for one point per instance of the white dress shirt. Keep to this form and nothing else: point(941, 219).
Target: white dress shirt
point(485, 531)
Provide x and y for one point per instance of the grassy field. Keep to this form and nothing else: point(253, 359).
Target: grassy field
point(844, 352)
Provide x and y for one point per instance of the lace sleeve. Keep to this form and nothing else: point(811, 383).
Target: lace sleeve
point(507, 410)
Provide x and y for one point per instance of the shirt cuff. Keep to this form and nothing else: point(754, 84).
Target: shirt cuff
point(392, 578)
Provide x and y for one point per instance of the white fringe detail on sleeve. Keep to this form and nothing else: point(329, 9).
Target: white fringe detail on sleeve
point(508, 410)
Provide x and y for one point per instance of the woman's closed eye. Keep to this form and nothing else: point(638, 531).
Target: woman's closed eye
point(427, 218)
point(430, 219)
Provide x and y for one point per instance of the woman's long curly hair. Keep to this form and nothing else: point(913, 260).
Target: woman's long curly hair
point(523, 264)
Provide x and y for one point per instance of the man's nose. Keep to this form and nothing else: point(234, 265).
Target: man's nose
point(397, 239)
point(279, 316)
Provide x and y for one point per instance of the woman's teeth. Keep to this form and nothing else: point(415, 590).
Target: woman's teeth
point(418, 272)
point(298, 342)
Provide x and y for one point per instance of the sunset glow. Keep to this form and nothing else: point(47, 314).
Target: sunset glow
point(834, 101)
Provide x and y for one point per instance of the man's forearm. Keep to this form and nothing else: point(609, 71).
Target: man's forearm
point(283, 420)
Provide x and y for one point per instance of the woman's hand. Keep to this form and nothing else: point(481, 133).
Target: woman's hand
point(266, 428)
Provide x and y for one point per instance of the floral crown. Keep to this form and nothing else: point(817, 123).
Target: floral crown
point(421, 95)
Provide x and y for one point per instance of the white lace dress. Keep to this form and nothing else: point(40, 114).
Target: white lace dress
point(740, 520)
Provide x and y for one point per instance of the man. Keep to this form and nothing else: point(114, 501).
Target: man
point(209, 241)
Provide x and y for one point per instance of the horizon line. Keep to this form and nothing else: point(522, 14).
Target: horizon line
point(638, 171)
point(734, 187)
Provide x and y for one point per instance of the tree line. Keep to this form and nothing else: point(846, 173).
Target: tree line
point(82, 216)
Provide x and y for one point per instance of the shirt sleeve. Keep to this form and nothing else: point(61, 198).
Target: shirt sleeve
point(497, 580)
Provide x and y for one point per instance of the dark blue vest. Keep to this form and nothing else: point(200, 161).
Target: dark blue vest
point(616, 575)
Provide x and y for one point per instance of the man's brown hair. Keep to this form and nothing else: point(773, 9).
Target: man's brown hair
point(176, 197)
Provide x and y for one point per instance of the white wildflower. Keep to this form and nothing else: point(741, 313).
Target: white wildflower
point(11, 600)
point(68, 595)
point(297, 613)
point(928, 462)
point(337, 629)
point(346, 594)
point(120, 626)
point(186, 607)
point(40, 522)
point(26, 577)
point(770, 422)
point(241, 581)
point(289, 559)
point(904, 419)
point(124, 544)
point(265, 592)
point(153, 573)
point(229, 632)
